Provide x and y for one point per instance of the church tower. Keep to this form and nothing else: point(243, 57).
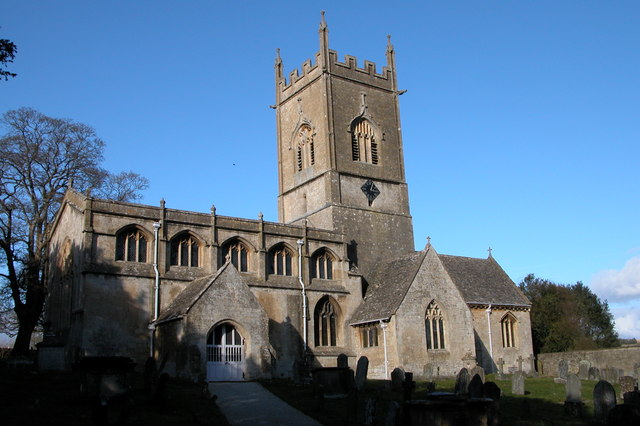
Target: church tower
point(340, 159)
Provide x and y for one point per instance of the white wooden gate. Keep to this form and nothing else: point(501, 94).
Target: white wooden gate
point(225, 354)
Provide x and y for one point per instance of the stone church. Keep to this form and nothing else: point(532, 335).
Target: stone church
point(224, 298)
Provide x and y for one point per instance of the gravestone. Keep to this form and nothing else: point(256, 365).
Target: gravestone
point(532, 366)
point(573, 389)
point(476, 389)
point(520, 362)
point(462, 381)
point(627, 384)
point(583, 369)
point(477, 370)
point(604, 399)
point(491, 390)
point(408, 386)
point(517, 383)
point(636, 370)
point(342, 361)
point(428, 371)
point(361, 372)
point(500, 365)
point(594, 373)
point(563, 369)
point(397, 377)
point(609, 374)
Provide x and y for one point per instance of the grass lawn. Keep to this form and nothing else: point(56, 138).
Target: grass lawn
point(542, 404)
point(28, 398)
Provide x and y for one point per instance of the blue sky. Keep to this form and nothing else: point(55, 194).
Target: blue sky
point(520, 122)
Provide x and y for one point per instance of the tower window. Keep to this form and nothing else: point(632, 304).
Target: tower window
point(364, 144)
point(434, 327)
point(131, 246)
point(185, 251)
point(305, 155)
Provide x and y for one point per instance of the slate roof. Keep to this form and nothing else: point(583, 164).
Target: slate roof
point(482, 281)
point(181, 305)
point(387, 287)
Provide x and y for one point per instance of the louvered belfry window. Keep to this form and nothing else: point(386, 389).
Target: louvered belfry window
point(305, 155)
point(364, 144)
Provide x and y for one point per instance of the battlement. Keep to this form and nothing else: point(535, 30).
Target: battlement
point(349, 69)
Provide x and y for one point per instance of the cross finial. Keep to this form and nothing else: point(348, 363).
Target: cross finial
point(260, 216)
point(428, 241)
point(490, 250)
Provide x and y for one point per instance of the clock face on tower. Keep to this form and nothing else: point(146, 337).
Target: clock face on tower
point(370, 190)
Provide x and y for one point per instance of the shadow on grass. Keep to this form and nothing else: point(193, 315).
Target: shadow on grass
point(542, 405)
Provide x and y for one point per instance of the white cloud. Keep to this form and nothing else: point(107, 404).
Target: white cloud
point(618, 285)
point(627, 319)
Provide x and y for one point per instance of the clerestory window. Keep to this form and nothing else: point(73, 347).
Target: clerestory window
point(434, 327)
point(185, 251)
point(131, 246)
point(238, 254)
point(364, 143)
point(322, 265)
point(280, 261)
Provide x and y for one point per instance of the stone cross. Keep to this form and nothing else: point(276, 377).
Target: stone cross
point(520, 362)
point(500, 366)
point(532, 365)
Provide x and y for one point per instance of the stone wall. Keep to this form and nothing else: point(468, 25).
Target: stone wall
point(625, 358)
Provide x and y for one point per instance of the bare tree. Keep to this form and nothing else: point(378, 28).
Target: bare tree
point(40, 157)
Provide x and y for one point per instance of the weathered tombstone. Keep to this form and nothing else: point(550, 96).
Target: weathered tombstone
point(520, 362)
point(604, 399)
point(583, 369)
point(428, 371)
point(477, 370)
point(462, 381)
point(609, 374)
point(361, 372)
point(573, 399)
point(532, 366)
point(476, 389)
point(397, 377)
point(627, 384)
point(594, 373)
point(517, 383)
point(491, 390)
point(342, 361)
point(624, 415)
point(563, 369)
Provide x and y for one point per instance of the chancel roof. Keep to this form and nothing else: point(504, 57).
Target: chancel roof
point(480, 281)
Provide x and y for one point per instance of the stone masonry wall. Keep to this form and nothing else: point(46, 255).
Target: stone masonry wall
point(625, 358)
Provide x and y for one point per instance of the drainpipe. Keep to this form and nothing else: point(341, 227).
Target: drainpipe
point(383, 326)
point(488, 311)
point(156, 302)
point(304, 298)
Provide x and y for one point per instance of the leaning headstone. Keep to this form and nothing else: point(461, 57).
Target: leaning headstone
point(342, 361)
point(563, 369)
point(627, 384)
point(594, 373)
point(517, 383)
point(361, 372)
point(604, 399)
point(583, 369)
point(462, 381)
point(477, 370)
point(397, 377)
point(476, 389)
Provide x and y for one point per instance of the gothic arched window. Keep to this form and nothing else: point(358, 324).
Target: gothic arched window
point(434, 326)
point(238, 254)
point(508, 326)
point(324, 322)
point(280, 261)
point(185, 250)
point(131, 245)
point(305, 155)
point(322, 265)
point(364, 143)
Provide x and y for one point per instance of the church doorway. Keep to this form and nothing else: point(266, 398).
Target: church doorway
point(225, 354)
